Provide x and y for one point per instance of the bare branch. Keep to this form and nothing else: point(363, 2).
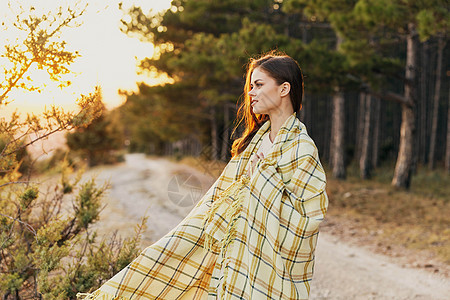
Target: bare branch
point(32, 142)
point(27, 226)
point(390, 96)
point(14, 182)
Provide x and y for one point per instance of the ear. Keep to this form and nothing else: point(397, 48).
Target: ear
point(285, 89)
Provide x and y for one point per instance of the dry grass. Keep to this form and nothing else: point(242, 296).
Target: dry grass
point(373, 211)
point(213, 168)
point(416, 219)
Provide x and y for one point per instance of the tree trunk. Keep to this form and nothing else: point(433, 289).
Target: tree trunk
point(405, 159)
point(308, 111)
point(226, 132)
point(214, 143)
point(447, 149)
point(360, 125)
point(376, 132)
point(326, 127)
point(365, 158)
point(422, 115)
point(337, 133)
point(437, 95)
point(429, 101)
point(303, 114)
point(337, 148)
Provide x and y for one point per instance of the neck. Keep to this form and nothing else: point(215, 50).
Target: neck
point(277, 119)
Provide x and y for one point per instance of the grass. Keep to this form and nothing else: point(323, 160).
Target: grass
point(416, 219)
point(211, 167)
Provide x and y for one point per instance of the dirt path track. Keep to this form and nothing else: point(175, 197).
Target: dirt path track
point(143, 186)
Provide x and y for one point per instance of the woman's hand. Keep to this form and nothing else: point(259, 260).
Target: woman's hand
point(254, 161)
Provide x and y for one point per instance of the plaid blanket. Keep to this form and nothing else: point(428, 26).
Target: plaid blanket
point(249, 237)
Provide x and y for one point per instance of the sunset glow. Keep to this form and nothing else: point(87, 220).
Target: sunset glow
point(108, 56)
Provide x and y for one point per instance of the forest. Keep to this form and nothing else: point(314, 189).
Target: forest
point(376, 103)
point(376, 78)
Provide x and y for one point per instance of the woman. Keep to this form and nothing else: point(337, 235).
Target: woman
point(253, 234)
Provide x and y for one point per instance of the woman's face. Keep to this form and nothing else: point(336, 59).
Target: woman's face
point(265, 93)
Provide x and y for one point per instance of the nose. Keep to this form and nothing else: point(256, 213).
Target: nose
point(251, 93)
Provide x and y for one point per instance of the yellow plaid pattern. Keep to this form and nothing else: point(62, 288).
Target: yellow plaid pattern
point(247, 238)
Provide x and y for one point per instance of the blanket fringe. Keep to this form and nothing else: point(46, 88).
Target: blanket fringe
point(99, 295)
point(235, 191)
point(232, 213)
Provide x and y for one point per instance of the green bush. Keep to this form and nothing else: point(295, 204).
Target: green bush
point(49, 253)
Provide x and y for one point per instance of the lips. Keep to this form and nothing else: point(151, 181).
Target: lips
point(253, 102)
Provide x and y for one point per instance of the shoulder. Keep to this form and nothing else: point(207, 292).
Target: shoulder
point(298, 153)
point(305, 156)
point(302, 144)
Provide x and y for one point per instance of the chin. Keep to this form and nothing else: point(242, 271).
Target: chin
point(258, 111)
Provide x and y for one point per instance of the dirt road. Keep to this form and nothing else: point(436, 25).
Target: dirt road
point(166, 192)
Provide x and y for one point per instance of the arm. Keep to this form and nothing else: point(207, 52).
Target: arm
point(306, 188)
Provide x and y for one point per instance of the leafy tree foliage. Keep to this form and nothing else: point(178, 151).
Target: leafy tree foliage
point(346, 46)
point(97, 141)
point(148, 111)
point(46, 248)
point(207, 58)
point(373, 31)
point(40, 47)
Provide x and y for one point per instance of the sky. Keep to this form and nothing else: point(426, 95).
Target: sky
point(108, 56)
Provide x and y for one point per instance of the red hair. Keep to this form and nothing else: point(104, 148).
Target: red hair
point(280, 67)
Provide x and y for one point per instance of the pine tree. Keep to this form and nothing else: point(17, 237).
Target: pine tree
point(205, 58)
point(97, 141)
point(369, 29)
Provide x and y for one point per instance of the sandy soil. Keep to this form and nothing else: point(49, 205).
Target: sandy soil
point(149, 187)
